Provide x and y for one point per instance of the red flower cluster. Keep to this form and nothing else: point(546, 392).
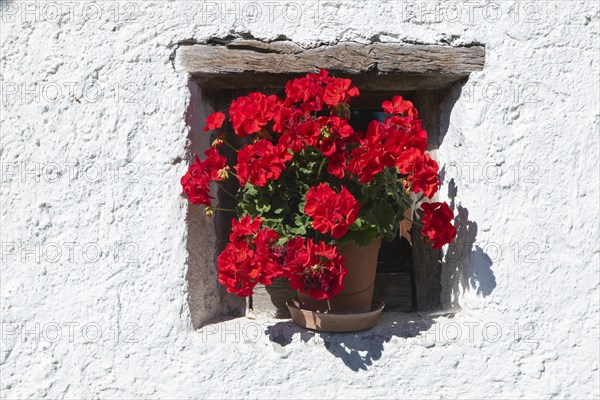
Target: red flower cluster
point(261, 162)
point(292, 120)
point(437, 227)
point(423, 175)
point(369, 158)
point(337, 133)
point(329, 134)
point(249, 114)
point(252, 257)
point(201, 173)
point(315, 269)
point(400, 141)
point(301, 134)
point(331, 212)
point(249, 258)
point(313, 90)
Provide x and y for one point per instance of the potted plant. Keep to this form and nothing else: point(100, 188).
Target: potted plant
point(316, 196)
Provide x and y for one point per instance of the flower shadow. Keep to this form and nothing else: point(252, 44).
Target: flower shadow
point(467, 265)
point(357, 350)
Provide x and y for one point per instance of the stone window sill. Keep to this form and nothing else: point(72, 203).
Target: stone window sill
point(268, 337)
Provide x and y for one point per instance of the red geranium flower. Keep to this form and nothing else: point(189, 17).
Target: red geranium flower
point(313, 90)
point(424, 176)
point(327, 146)
point(286, 117)
point(407, 130)
point(305, 133)
point(308, 91)
point(302, 90)
point(200, 174)
point(266, 255)
point(261, 162)
point(245, 226)
point(214, 121)
point(237, 272)
point(315, 269)
point(249, 258)
point(402, 134)
point(249, 114)
point(437, 226)
point(338, 90)
point(408, 159)
point(369, 158)
point(337, 165)
point(399, 106)
point(338, 127)
point(331, 212)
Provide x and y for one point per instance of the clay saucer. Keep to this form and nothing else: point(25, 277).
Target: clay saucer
point(329, 322)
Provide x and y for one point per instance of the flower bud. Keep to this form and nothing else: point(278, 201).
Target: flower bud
point(407, 185)
point(263, 134)
point(218, 141)
point(342, 110)
point(222, 173)
point(325, 132)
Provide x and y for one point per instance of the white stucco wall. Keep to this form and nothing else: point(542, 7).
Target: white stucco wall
point(93, 275)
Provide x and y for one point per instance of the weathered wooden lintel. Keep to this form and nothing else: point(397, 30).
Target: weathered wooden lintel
point(373, 67)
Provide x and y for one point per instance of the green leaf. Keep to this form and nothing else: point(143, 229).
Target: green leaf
point(279, 206)
point(251, 190)
point(358, 224)
point(383, 217)
point(361, 238)
point(299, 230)
point(262, 204)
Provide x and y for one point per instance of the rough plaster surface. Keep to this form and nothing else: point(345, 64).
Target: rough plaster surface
point(109, 315)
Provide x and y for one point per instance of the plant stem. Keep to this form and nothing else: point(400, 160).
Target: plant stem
point(222, 209)
point(227, 191)
point(414, 222)
point(392, 182)
point(320, 168)
point(230, 145)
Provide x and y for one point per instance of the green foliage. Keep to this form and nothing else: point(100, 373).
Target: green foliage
point(280, 204)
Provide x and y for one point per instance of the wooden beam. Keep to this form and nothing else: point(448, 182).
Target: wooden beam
point(378, 66)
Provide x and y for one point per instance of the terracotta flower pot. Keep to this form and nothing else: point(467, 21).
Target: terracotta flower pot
point(357, 296)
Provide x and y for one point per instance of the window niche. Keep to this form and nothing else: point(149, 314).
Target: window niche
point(409, 278)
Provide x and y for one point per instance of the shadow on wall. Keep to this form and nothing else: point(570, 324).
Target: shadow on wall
point(466, 266)
point(359, 350)
point(470, 267)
